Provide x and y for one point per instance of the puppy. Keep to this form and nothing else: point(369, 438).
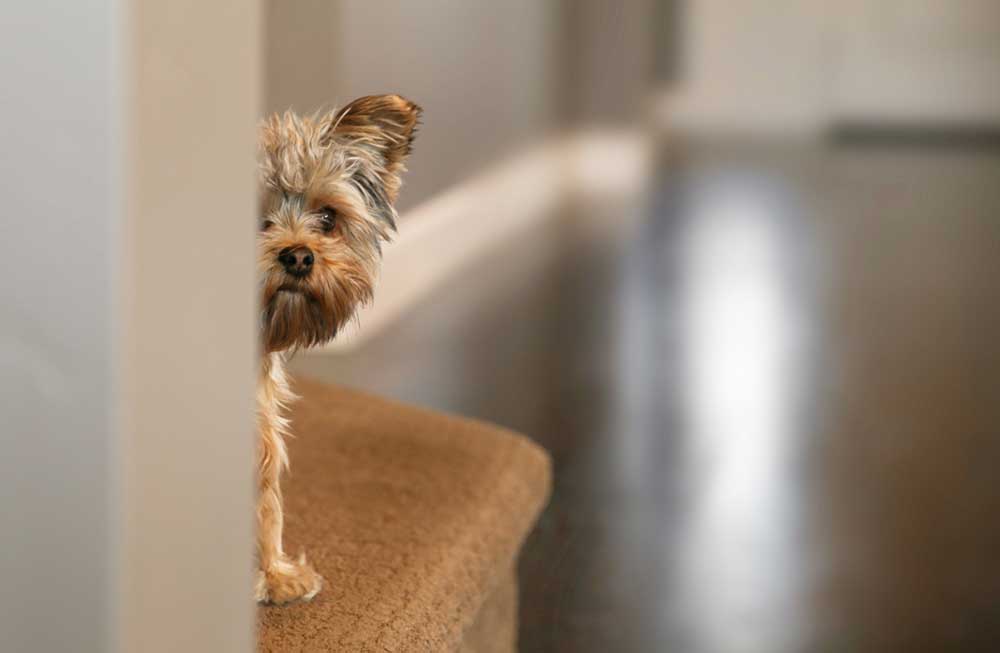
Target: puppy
point(328, 186)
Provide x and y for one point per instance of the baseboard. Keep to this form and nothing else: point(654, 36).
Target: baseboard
point(929, 134)
point(452, 230)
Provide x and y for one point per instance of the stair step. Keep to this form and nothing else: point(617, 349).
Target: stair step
point(413, 517)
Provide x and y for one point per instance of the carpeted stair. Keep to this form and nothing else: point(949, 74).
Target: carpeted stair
point(415, 520)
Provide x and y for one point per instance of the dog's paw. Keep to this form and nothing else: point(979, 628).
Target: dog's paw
point(287, 580)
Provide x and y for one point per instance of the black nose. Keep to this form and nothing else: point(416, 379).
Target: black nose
point(298, 261)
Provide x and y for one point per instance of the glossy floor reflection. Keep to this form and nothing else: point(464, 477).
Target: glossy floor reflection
point(770, 389)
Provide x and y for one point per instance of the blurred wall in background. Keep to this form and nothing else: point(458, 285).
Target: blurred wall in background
point(917, 62)
point(610, 54)
point(493, 77)
point(482, 71)
point(753, 65)
point(799, 66)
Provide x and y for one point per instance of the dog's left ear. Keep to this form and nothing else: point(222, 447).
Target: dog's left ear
point(384, 126)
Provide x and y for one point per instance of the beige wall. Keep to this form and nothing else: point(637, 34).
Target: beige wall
point(189, 327)
point(754, 65)
point(797, 66)
point(918, 62)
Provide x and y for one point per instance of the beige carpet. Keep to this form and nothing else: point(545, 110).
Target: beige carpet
point(414, 519)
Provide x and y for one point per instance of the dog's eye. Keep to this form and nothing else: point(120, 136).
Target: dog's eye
point(266, 224)
point(327, 219)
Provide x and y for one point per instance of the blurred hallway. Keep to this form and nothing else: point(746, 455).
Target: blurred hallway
point(769, 388)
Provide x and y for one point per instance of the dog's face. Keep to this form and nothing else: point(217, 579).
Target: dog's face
point(328, 187)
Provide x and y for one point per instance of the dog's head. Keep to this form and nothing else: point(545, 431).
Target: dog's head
point(328, 187)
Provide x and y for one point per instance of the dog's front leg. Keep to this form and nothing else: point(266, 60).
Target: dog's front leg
point(280, 579)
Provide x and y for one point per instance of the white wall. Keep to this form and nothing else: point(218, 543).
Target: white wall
point(59, 251)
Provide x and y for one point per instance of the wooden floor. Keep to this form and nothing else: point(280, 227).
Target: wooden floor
point(772, 393)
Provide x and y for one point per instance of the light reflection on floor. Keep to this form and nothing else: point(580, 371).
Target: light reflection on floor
point(741, 342)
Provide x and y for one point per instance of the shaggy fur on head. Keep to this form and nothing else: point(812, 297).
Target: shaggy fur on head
point(347, 164)
point(328, 186)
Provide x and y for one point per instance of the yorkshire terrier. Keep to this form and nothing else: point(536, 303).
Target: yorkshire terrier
point(328, 188)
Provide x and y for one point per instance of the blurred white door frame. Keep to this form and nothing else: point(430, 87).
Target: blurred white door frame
point(127, 337)
point(918, 62)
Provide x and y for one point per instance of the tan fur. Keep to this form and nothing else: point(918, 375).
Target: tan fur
point(348, 160)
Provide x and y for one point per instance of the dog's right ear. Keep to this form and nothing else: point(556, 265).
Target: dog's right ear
point(384, 126)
